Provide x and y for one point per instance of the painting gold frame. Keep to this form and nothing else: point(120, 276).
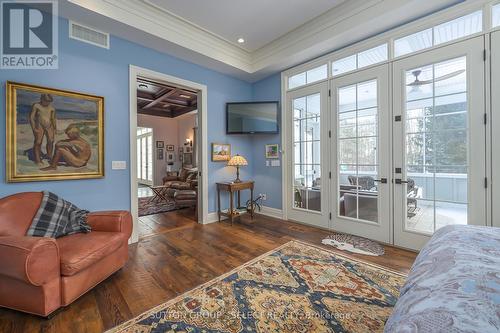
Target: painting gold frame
point(218, 158)
point(12, 175)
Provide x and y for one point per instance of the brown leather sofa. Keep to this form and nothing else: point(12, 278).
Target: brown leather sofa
point(185, 179)
point(39, 275)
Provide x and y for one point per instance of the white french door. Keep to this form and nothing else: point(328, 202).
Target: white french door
point(495, 120)
point(361, 154)
point(307, 127)
point(439, 141)
point(145, 155)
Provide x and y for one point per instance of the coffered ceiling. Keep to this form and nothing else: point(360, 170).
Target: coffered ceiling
point(278, 34)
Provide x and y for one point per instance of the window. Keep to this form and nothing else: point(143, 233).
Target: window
point(413, 43)
point(357, 149)
point(145, 155)
point(362, 59)
point(310, 76)
point(496, 15)
point(448, 31)
point(437, 133)
point(307, 152)
point(458, 28)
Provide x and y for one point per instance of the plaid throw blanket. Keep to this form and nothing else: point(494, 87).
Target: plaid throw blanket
point(57, 217)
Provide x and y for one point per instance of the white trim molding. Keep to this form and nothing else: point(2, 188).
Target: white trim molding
point(145, 23)
point(271, 212)
point(134, 73)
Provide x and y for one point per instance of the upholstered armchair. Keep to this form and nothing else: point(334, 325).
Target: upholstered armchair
point(39, 275)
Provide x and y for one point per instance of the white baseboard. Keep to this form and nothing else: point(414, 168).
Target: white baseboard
point(213, 217)
point(271, 212)
point(268, 211)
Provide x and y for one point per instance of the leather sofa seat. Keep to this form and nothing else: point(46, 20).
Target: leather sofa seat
point(80, 251)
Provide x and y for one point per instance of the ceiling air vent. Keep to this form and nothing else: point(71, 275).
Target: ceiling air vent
point(88, 35)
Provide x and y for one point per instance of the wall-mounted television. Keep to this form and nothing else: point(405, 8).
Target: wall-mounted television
point(252, 117)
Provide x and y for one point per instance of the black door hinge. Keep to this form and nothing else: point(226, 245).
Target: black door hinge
point(485, 118)
point(329, 93)
point(329, 134)
point(330, 175)
point(485, 182)
point(397, 118)
point(330, 216)
point(485, 55)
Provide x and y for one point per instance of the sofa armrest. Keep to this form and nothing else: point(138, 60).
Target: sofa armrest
point(111, 221)
point(34, 260)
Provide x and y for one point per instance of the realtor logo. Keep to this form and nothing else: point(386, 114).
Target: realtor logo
point(29, 35)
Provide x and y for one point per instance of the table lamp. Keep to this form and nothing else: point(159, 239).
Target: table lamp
point(237, 161)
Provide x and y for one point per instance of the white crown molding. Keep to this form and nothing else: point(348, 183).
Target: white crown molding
point(143, 16)
point(342, 25)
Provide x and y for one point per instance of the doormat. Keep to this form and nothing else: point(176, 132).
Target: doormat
point(354, 244)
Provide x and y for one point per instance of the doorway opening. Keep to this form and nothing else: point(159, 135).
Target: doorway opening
point(167, 159)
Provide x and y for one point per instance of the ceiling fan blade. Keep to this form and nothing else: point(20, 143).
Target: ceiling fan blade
point(418, 83)
point(450, 75)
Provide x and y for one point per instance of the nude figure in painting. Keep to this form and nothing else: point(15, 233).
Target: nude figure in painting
point(73, 151)
point(43, 123)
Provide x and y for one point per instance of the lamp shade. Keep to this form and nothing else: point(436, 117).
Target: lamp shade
point(237, 160)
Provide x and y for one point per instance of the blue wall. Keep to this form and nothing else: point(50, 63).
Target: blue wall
point(267, 179)
point(89, 69)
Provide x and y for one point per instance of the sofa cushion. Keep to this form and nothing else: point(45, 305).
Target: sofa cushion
point(79, 251)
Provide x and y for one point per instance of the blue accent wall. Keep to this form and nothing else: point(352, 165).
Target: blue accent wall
point(267, 179)
point(89, 69)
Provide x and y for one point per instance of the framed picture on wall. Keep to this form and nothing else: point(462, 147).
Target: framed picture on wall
point(53, 134)
point(170, 157)
point(160, 144)
point(188, 149)
point(272, 151)
point(221, 152)
point(160, 153)
point(170, 147)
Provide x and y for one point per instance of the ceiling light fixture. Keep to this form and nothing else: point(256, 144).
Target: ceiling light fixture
point(241, 40)
point(185, 96)
point(142, 85)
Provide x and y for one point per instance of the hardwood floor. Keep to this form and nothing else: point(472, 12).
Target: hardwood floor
point(173, 256)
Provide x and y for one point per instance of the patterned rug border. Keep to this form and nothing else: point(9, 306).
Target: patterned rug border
point(174, 300)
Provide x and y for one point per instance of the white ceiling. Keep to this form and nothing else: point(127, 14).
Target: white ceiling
point(279, 33)
point(259, 22)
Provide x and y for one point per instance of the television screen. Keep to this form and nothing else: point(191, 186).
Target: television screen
point(252, 117)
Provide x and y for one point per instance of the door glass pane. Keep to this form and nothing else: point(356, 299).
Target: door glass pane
point(436, 145)
point(307, 152)
point(357, 151)
point(496, 15)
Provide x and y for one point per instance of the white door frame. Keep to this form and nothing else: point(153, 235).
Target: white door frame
point(477, 208)
point(134, 73)
point(495, 123)
point(381, 230)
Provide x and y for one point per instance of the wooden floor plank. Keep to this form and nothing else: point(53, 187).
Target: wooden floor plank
point(174, 255)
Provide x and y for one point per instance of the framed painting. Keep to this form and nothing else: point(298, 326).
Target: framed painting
point(272, 151)
point(160, 144)
point(53, 134)
point(170, 148)
point(221, 152)
point(160, 153)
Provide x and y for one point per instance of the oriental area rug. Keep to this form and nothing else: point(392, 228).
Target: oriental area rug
point(297, 287)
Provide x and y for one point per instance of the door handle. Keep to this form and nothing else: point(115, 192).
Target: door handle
point(381, 180)
point(399, 181)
